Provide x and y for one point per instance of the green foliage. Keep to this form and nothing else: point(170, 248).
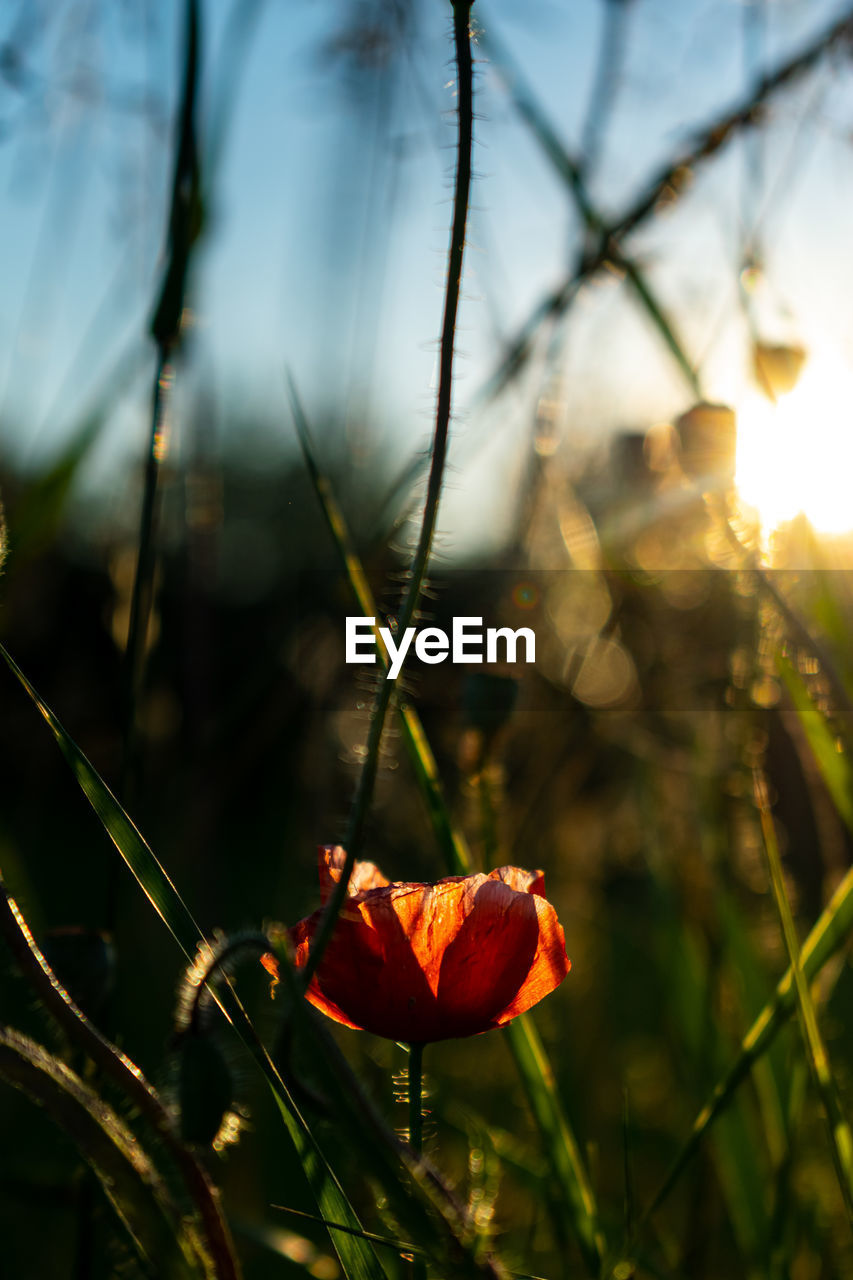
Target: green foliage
point(658, 1115)
point(160, 1238)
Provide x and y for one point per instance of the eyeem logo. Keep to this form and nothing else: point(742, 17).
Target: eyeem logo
point(467, 643)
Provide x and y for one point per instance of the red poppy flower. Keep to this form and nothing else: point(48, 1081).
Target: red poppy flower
point(422, 962)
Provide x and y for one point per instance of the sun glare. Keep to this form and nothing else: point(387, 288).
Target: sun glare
point(796, 456)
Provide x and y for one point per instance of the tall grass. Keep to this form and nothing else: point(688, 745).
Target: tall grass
point(678, 763)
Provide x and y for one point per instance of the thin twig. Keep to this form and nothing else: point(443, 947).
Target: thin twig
point(671, 180)
point(605, 83)
point(184, 228)
point(669, 183)
point(597, 239)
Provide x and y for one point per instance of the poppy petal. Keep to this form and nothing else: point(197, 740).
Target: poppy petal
point(508, 954)
point(365, 875)
point(432, 961)
point(523, 881)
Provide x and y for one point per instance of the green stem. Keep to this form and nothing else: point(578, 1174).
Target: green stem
point(452, 842)
point(559, 1143)
point(183, 230)
point(142, 595)
point(416, 1126)
point(367, 779)
point(840, 1137)
point(416, 1086)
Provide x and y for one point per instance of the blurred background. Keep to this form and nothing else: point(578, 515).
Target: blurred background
point(650, 465)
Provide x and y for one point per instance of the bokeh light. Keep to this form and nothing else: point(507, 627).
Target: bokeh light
point(796, 456)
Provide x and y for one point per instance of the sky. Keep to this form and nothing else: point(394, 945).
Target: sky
point(328, 221)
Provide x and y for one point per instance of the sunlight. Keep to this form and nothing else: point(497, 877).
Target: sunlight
point(797, 456)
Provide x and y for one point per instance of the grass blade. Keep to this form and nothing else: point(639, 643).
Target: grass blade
point(565, 1163)
point(841, 1140)
point(149, 873)
point(453, 844)
point(771, 1073)
point(444, 1236)
point(451, 841)
point(834, 765)
point(688, 981)
point(564, 1159)
point(357, 1258)
point(114, 1064)
point(828, 934)
point(825, 938)
point(138, 1195)
point(39, 510)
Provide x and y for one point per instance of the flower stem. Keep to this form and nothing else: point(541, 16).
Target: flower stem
point(183, 229)
point(462, 187)
point(416, 1085)
point(416, 1126)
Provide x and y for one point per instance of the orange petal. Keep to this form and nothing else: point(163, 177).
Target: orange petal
point(422, 962)
point(270, 963)
point(507, 955)
point(549, 966)
point(523, 881)
point(365, 875)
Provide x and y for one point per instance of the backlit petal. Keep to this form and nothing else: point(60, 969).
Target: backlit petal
point(365, 875)
point(430, 961)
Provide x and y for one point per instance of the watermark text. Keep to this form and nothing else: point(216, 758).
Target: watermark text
point(468, 642)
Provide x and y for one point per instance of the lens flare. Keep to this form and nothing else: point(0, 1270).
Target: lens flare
point(796, 456)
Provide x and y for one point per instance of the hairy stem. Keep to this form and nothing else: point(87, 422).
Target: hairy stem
point(416, 1125)
point(416, 1086)
point(367, 779)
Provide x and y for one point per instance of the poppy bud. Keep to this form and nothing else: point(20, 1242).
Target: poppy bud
point(205, 1090)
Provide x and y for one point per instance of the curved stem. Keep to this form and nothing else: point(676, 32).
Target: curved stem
point(367, 779)
point(218, 959)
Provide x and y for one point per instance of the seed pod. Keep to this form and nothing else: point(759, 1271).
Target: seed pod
point(708, 436)
point(777, 369)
